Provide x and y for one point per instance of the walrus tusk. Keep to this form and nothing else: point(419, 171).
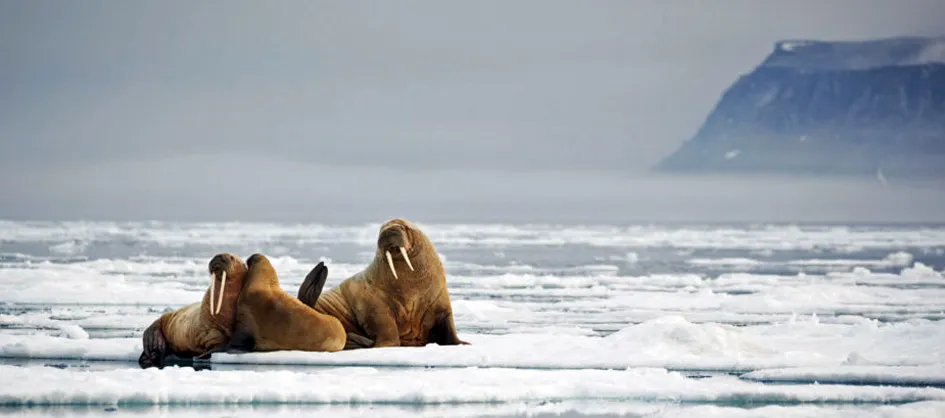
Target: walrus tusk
point(213, 287)
point(222, 287)
point(390, 262)
point(403, 252)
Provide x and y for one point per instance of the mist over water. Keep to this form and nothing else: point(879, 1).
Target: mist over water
point(353, 112)
point(222, 187)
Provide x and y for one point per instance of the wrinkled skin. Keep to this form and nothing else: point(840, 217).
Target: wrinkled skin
point(378, 309)
point(193, 331)
point(268, 319)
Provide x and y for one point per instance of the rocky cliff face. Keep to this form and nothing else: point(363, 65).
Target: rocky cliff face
point(848, 108)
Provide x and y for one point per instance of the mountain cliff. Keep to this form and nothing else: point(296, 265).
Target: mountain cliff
point(845, 108)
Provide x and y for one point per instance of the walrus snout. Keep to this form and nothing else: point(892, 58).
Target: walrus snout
point(219, 265)
point(222, 262)
point(392, 237)
point(394, 241)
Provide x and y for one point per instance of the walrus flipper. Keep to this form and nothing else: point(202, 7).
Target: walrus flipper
point(243, 341)
point(228, 349)
point(313, 284)
point(356, 341)
point(444, 332)
point(154, 347)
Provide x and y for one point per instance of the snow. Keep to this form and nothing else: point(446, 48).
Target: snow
point(732, 154)
point(50, 386)
point(725, 261)
point(792, 45)
point(858, 55)
point(70, 330)
point(897, 259)
point(225, 235)
point(568, 408)
point(934, 52)
point(669, 342)
point(913, 410)
point(929, 375)
point(639, 319)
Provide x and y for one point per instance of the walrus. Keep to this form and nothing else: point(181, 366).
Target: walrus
point(268, 319)
point(199, 327)
point(399, 299)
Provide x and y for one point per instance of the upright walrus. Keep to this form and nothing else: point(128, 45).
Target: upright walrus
point(268, 319)
point(400, 299)
point(199, 327)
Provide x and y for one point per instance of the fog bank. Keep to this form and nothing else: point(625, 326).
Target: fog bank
point(214, 187)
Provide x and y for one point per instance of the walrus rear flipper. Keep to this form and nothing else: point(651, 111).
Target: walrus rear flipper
point(154, 347)
point(313, 284)
point(355, 341)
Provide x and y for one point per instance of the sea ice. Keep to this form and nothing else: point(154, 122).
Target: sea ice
point(51, 386)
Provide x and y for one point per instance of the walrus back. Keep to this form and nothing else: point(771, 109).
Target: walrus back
point(285, 323)
point(334, 303)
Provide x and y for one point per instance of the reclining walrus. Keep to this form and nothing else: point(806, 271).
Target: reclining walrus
point(199, 327)
point(268, 319)
point(399, 299)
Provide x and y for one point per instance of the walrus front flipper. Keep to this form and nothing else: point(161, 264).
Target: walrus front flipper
point(356, 341)
point(313, 284)
point(229, 349)
point(444, 332)
point(154, 347)
point(243, 341)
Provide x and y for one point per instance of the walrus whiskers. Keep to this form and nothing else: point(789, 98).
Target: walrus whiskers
point(390, 262)
point(222, 287)
point(403, 252)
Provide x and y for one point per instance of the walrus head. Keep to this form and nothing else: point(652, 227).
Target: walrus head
point(226, 281)
point(260, 267)
point(398, 239)
point(258, 260)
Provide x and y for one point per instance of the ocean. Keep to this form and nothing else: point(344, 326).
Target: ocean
point(563, 320)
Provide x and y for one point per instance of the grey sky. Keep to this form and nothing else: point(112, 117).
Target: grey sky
point(116, 99)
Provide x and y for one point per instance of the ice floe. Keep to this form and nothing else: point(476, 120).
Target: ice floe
point(51, 386)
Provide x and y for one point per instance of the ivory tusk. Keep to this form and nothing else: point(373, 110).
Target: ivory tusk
point(222, 287)
point(390, 262)
point(403, 252)
point(213, 287)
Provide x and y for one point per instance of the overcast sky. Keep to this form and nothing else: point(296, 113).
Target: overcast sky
point(119, 109)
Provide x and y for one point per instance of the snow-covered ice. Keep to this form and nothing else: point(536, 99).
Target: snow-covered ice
point(928, 375)
point(413, 386)
point(174, 235)
point(669, 342)
point(643, 319)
